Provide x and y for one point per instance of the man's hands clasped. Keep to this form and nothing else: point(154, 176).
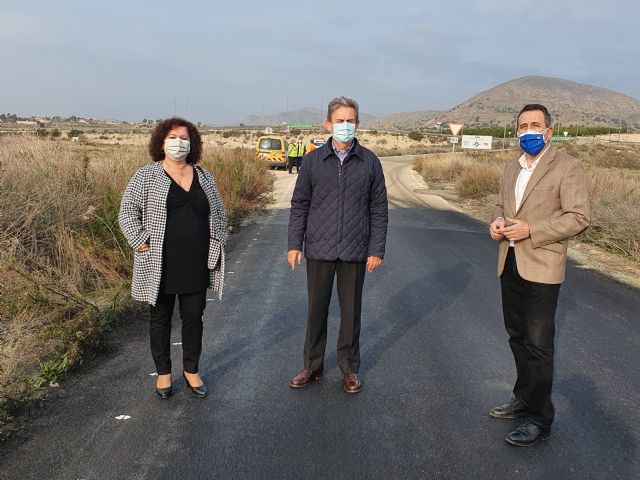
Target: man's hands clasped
point(512, 229)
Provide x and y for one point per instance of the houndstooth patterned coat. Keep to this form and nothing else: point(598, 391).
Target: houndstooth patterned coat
point(143, 217)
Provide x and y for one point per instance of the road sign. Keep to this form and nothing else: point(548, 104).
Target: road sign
point(477, 142)
point(455, 128)
point(453, 139)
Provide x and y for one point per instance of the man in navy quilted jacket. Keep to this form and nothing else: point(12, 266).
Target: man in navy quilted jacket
point(339, 214)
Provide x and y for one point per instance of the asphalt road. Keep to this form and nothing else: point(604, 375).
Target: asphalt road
point(435, 358)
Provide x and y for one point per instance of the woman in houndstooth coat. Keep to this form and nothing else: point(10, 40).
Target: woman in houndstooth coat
point(172, 216)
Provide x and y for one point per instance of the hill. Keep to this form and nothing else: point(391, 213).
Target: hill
point(571, 102)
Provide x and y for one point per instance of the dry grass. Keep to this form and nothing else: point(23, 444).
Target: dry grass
point(479, 180)
point(244, 181)
point(615, 209)
point(614, 184)
point(64, 264)
point(472, 174)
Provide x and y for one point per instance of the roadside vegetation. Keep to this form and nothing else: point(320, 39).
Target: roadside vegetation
point(472, 179)
point(64, 264)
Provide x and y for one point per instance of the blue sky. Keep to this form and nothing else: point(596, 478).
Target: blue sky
point(141, 59)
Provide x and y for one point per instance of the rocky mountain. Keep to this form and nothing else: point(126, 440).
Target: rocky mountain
point(568, 102)
point(304, 116)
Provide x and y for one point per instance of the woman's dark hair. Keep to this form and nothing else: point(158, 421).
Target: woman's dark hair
point(156, 142)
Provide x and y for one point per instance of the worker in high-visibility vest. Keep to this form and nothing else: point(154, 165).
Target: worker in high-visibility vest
point(296, 151)
point(310, 146)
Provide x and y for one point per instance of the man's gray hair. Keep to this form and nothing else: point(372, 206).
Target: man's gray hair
point(338, 102)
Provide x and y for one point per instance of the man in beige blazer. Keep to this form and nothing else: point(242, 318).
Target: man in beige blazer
point(543, 201)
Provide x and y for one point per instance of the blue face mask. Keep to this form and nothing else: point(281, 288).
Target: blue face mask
point(532, 142)
point(344, 132)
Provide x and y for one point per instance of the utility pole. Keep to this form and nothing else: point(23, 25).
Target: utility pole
point(619, 126)
point(506, 113)
point(557, 117)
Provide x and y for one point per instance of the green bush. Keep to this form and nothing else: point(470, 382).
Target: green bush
point(417, 136)
point(54, 370)
point(74, 132)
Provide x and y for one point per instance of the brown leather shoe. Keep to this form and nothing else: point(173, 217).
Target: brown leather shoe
point(351, 383)
point(305, 377)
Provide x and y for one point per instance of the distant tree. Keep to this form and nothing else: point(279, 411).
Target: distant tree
point(417, 136)
point(42, 132)
point(55, 133)
point(74, 132)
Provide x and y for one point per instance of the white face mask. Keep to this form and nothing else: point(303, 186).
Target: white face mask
point(177, 148)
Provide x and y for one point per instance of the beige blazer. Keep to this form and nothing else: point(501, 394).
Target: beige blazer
point(555, 204)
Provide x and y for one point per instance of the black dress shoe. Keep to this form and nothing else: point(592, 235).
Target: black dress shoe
point(527, 434)
point(512, 409)
point(199, 392)
point(165, 392)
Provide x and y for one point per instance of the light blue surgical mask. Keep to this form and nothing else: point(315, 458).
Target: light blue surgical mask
point(344, 132)
point(177, 148)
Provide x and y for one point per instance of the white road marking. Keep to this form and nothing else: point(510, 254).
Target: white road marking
point(154, 374)
point(178, 343)
point(123, 417)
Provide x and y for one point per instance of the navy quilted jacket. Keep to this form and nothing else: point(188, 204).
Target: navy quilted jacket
point(339, 212)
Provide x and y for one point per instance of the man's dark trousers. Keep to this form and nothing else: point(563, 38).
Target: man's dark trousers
point(320, 276)
point(294, 161)
point(529, 316)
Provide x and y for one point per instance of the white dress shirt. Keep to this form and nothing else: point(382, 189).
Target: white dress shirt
point(523, 179)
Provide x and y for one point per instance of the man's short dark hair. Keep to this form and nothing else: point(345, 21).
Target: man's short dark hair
point(338, 102)
point(536, 106)
point(156, 142)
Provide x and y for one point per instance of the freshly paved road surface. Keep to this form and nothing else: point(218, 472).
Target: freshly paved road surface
point(435, 358)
